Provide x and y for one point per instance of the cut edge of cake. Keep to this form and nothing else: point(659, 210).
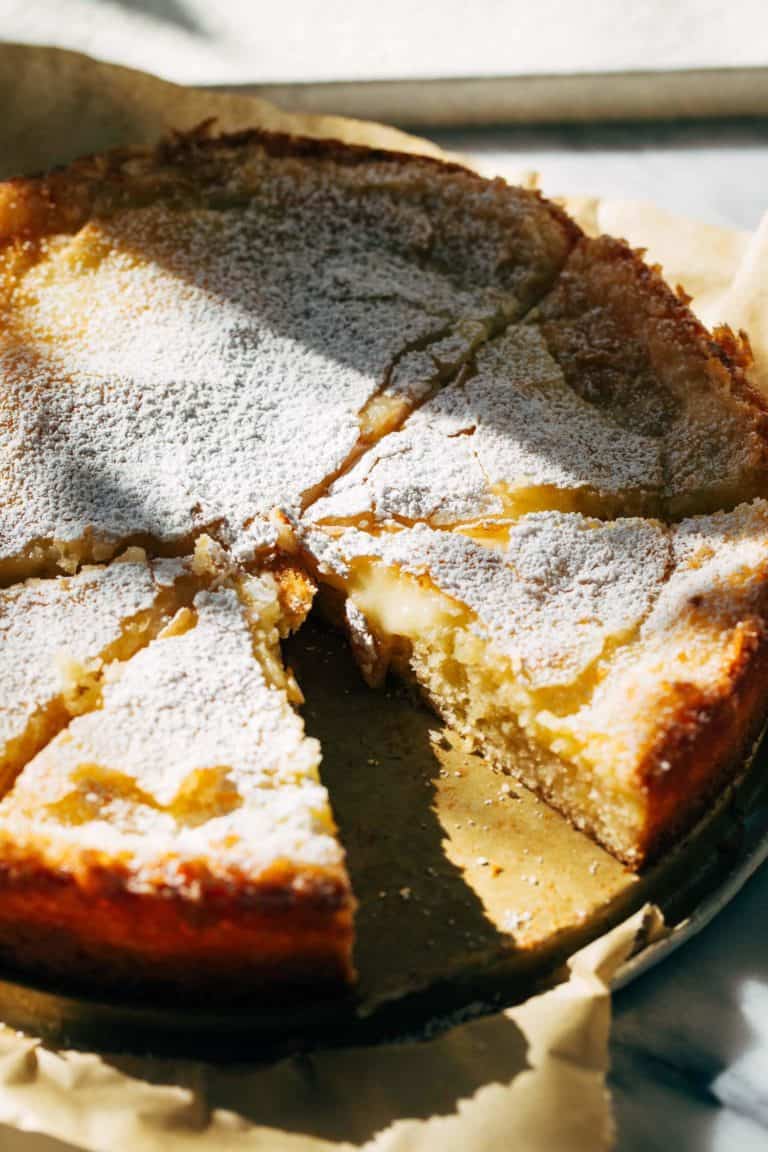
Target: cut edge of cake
point(703, 730)
point(636, 788)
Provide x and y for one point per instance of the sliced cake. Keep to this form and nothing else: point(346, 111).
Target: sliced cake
point(269, 360)
point(192, 337)
point(509, 436)
point(631, 347)
point(617, 668)
point(177, 837)
point(610, 400)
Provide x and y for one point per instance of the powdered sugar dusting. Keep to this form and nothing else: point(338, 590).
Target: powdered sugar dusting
point(561, 589)
point(690, 645)
point(720, 565)
point(171, 368)
point(513, 424)
point(182, 404)
point(192, 754)
point(73, 619)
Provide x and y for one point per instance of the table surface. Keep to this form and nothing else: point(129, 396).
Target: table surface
point(690, 1039)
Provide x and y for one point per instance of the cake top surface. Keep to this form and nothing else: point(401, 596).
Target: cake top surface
point(200, 346)
point(719, 563)
point(666, 615)
point(195, 339)
point(510, 429)
point(193, 753)
point(691, 647)
point(561, 589)
point(46, 625)
point(632, 347)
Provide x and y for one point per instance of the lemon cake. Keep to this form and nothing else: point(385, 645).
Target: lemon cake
point(523, 475)
point(507, 437)
point(177, 836)
point(610, 400)
point(617, 667)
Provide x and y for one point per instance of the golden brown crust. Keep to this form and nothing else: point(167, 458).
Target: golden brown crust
point(191, 167)
point(702, 742)
point(693, 746)
point(225, 941)
point(295, 590)
point(224, 937)
point(625, 317)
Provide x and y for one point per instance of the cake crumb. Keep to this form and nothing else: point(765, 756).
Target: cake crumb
point(511, 920)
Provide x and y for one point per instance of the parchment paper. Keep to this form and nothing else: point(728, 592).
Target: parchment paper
point(57, 105)
point(532, 1077)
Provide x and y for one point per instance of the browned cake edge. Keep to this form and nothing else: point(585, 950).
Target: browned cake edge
point(605, 272)
point(703, 745)
point(610, 315)
point(109, 924)
point(209, 939)
point(700, 749)
point(191, 166)
point(97, 931)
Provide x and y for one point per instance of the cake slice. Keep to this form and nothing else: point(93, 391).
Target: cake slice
point(192, 337)
point(177, 838)
point(632, 348)
point(57, 635)
point(610, 400)
point(617, 668)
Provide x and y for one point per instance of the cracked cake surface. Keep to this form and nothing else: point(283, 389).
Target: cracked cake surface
point(177, 331)
point(523, 475)
point(56, 635)
point(508, 435)
point(611, 399)
point(633, 348)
